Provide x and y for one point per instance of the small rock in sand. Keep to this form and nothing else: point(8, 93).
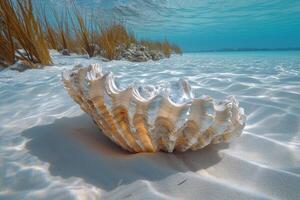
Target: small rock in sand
point(65, 52)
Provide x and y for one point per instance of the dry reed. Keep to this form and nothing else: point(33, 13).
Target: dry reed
point(165, 47)
point(7, 46)
point(86, 33)
point(26, 31)
point(63, 31)
point(22, 29)
point(50, 32)
point(112, 37)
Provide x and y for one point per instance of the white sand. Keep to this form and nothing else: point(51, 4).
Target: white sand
point(49, 149)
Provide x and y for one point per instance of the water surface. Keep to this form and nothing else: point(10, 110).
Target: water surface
point(201, 25)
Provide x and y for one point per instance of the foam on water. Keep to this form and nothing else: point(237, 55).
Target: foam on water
point(50, 149)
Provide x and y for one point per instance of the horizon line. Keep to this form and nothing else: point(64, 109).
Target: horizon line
point(244, 49)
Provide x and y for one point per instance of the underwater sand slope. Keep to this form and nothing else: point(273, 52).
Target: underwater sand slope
point(50, 149)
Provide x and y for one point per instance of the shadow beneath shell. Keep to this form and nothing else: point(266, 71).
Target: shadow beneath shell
point(74, 147)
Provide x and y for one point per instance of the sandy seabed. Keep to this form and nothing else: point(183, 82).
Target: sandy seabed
point(50, 149)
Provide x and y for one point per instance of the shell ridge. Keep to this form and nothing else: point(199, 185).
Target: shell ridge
point(150, 119)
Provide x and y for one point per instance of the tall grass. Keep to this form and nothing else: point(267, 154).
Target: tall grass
point(7, 46)
point(50, 32)
point(165, 47)
point(86, 33)
point(26, 36)
point(176, 49)
point(63, 30)
point(26, 30)
point(112, 37)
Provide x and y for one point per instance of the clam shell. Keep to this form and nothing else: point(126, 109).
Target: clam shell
point(149, 119)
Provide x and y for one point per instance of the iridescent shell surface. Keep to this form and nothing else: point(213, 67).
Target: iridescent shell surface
point(149, 119)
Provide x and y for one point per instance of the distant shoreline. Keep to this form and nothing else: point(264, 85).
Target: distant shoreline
point(244, 49)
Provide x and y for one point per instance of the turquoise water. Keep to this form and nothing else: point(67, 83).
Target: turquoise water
point(204, 25)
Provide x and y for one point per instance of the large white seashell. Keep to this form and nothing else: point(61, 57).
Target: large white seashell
point(148, 119)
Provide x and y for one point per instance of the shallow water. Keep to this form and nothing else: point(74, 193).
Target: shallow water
point(50, 149)
point(202, 24)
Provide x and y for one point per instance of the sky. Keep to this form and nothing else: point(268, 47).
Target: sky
point(198, 25)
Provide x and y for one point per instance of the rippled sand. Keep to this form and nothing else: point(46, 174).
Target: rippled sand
point(49, 149)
